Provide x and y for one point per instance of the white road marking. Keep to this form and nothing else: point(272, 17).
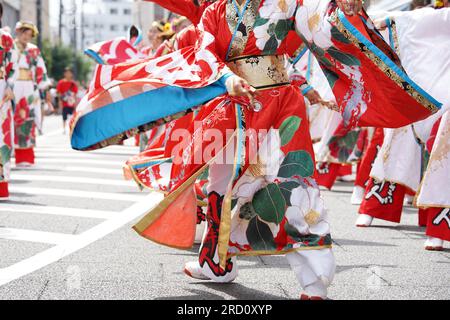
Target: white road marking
point(78, 242)
point(74, 193)
point(34, 236)
point(71, 161)
point(67, 148)
point(60, 211)
point(51, 133)
point(120, 150)
point(95, 181)
point(62, 161)
point(119, 158)
point(72, 169)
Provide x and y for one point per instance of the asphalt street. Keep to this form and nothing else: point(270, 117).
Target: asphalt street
point(66, 234)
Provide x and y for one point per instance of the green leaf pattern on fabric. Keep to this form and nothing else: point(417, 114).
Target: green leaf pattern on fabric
point(344, 58)
point(288, 129)
point(297, 163)
point(260, 236)
point(269, 204)
point(5, 154)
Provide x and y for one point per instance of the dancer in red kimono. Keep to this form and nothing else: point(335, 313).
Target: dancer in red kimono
point(31, 78)
point(7, 71)
point(402, 157)
point(262, 196)
point(375, 137)
point(432, 198)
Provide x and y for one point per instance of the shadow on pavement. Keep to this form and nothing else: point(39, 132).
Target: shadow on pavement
point(235, 290)
point(348, 242)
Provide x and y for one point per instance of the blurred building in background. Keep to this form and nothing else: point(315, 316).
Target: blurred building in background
point(15, 10)
point(11, 12)
point(84, 22)
point(29, 9)
point(104, 20)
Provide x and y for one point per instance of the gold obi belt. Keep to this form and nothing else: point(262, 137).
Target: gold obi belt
point(261, 72)
point(24, 75)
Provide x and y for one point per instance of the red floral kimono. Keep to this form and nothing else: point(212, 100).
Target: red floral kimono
point(32, 77)
point(7, 70)
point(265, 200)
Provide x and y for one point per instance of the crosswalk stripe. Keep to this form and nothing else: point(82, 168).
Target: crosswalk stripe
point(34, 236)
point(65, 155)
point(50, 134)
point(109, 150)
point(82, 240)
point(60, 211)
point(38, 167)
point(64, 160)
point(96, 181)
point(74, 193)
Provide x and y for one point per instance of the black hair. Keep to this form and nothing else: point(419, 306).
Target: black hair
point(134, 32)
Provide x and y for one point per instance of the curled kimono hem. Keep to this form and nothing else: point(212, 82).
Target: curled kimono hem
point(278, 252)
point(140, 184)
point(394, 181)
point(156, 212)
point(382, 60)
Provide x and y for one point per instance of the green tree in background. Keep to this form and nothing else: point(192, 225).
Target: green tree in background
point(57, 57)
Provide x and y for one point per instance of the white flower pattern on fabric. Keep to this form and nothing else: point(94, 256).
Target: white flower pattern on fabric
point(273, 11)
point(307, 213)
point(310, 22)
point(262, 35)
point(270, 158)
point(270, 155)
point(278, 9)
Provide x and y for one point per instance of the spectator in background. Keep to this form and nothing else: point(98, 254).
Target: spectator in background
point(67, 90)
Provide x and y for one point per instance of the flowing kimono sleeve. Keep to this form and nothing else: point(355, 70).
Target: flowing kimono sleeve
point(186, 37)
point(114, 51)
point(10, 60)
point(365, 74)
point(129, 98)
point(41, 76)
point(185, 8)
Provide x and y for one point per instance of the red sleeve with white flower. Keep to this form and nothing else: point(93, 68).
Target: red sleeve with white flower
point(41, 79)
point(9, 59)
point(365, 74)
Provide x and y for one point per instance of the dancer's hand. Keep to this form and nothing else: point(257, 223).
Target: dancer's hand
point(350, 7)
point(380, 24)
point(9, 95)
point(238, 87)
point(313, 97)
point(48, 97)
point(331, 105)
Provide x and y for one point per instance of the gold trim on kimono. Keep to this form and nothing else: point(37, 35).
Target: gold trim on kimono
point(416, 95)
point(278, 252)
